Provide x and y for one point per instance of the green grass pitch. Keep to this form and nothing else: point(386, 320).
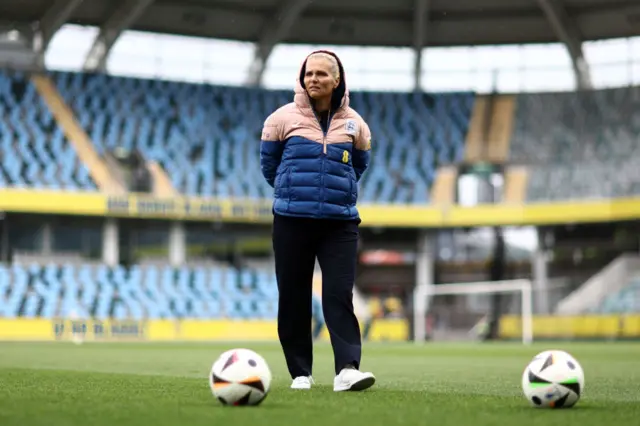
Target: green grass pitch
point(438, 384)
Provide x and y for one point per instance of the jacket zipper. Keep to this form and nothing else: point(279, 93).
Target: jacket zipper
point(324, 145)
point(324, 134)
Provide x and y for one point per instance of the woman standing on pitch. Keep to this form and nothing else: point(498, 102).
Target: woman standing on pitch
point(313, 152)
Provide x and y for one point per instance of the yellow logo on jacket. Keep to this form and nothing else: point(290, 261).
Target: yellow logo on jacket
point(345, 156)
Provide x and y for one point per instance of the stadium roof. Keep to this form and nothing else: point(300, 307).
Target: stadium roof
point(414, 23)
point(355, 22)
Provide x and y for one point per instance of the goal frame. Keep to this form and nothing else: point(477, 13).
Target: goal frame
point(422, 295)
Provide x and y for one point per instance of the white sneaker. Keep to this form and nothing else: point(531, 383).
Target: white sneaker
point(302, 382)
point(351, 379)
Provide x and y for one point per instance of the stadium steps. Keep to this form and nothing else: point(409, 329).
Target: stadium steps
point(443, 190)
point(116, 172)
point(516, 184)
point(478, 130)
point(611, 279)
point(76, 135)
point(161, 183)
point(501, 128)
point(162, 186)
point(490, 129)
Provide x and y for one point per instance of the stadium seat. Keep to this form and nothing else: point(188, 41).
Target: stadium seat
point(135, 293)
point(579, 145)
point(5, 281)
point(34, 153)
point(18, 279)
point(205, 137)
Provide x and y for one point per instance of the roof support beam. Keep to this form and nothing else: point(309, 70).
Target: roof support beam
point(121, 19)
point(55, 17)
point(275, 29)
point(420, 25)
point(568, 33)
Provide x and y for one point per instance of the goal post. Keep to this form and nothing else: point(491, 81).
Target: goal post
point(423, 295)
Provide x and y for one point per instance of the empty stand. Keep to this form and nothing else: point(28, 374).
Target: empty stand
point(584, 126)
point(201, 139)
point(34, 151)
point(593, 180)
point(162, 186)
point(205, 137)
point(580, 145)
point(138, 292)
point(76, 135)
point(413, 135)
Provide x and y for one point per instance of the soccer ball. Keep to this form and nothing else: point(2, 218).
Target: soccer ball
point(240, 377)
point(553, 379)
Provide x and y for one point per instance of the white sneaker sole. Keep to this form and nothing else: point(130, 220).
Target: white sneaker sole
point(365, 383)
point(304, 386)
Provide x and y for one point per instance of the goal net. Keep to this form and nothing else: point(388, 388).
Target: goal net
point(462, 311)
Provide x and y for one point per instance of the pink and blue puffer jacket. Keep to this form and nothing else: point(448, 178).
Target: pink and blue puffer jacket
point(315, 169)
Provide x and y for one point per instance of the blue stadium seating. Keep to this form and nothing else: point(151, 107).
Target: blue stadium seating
point(148, 292)
point(579, 145)
point(624, 301)
point(206, 136)
point(34, 152)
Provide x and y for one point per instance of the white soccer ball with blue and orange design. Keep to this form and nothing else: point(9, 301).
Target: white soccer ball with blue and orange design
point(240, 377)
point(553, 379)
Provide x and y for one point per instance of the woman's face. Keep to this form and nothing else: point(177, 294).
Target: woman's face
point(318, 79)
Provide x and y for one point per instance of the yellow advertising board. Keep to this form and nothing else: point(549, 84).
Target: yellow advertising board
point(52, 202)
point(168, 330)
point(574, 327)
point(544, 327)
point(501, 214)
point(26, 329)
point(134, 205)
point(188, 208)
point(259, 211)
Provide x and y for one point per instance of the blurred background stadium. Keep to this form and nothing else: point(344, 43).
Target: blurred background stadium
point(506, 149)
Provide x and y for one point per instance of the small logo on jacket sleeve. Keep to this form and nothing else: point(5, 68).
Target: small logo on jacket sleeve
point(345, 156)
point(351, 126)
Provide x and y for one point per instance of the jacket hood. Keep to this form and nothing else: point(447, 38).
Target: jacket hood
point(340, 97)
